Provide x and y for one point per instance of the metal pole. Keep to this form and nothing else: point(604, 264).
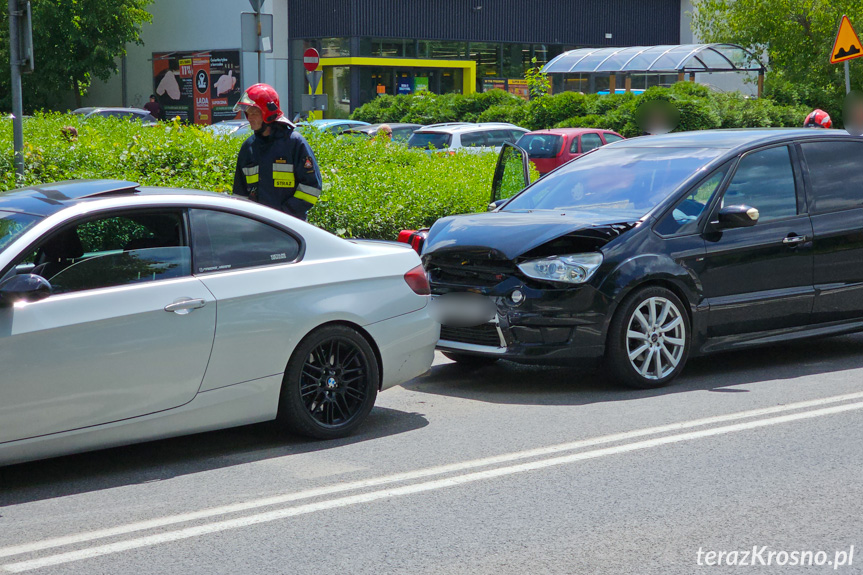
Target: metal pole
point(17, 105)
point(847, 78)
point(260, 53)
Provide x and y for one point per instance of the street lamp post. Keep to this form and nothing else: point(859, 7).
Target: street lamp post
point(17, 105)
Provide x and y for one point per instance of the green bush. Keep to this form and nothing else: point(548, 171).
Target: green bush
point(428, 108)
point(546, 111)
point(698, 106)
point(504, 113)
point(371, 189)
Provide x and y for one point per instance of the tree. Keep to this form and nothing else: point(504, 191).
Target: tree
point(537, 82)
point(795, 35)
point(75, 41)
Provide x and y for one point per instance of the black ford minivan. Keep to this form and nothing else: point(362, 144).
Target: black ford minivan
point(651, 250)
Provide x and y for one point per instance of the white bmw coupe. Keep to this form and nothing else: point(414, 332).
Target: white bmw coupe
point(130, 313)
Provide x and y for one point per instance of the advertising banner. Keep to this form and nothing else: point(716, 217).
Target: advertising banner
point(197, 87)
point(405, 85)
point(519, 88)
point(421, 84)
point(493, 84)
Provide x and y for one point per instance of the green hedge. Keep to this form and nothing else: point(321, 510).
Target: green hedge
point(371, 189)
point(699, 109)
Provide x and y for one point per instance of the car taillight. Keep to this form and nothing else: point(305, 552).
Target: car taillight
point(418, 281)
point(415, 238)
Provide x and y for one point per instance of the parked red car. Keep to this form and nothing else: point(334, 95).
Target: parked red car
point(548, 149)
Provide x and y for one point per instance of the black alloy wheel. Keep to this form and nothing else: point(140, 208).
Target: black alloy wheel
point(330, 384)
point(648, 339)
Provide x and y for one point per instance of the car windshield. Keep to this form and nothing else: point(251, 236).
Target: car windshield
point(633, 179)
point(540, 145)
point(13, 225)
point(436, 140)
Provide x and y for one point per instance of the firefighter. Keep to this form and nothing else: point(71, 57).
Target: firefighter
point(818, 119)
point(275, 166)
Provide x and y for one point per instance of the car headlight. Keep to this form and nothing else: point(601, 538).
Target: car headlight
point(572, 269)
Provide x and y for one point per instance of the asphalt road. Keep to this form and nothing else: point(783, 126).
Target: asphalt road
point(505, 469)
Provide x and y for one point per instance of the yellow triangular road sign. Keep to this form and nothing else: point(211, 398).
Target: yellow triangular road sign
point(847, 45)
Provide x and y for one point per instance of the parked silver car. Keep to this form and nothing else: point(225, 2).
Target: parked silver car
point(131, 313)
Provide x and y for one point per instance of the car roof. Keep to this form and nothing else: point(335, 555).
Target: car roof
point(376, 127)
point(457, 128)
point(110, 109)
point(46, 199)
point(570, 131)
point(333, 122)
point(727, 139)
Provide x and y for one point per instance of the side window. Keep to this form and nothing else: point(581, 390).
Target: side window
point(609, 138)
point(765, 181)
point(473, 139)
point(514, 135)
point(498, 137)
point(683, 219)
point(113, 251)
point(590, 142)
point(836, 175)
point(224, 241)
point(573, 148)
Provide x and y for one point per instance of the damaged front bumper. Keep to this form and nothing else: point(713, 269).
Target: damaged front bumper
point(557, 326)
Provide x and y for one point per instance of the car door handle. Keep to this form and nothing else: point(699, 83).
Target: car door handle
point(794, 240)
point(185, 306)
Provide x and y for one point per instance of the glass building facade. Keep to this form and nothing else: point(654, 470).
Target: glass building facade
point(357, 70)
point(374, 47)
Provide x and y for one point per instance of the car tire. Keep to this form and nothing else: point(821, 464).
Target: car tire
point(648, 339)
point(469, 360)
point(330, 384)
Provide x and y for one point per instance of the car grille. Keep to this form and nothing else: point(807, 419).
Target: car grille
point(477, 269)
point(485, 334)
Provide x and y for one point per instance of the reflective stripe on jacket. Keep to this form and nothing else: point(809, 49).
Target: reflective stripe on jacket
point(279, 171)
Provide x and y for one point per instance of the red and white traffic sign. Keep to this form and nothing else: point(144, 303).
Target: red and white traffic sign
point(311, 59)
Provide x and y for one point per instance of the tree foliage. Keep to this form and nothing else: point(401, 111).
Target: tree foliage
point(795, 35)
point(537, 82)
point(75, 41)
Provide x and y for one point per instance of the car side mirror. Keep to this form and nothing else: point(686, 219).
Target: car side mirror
point(736, 217)
point(512, 173)
point(496, 204)
point(25, 287)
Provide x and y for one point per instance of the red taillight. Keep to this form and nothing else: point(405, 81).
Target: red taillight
point(417, 280)
point(415, 238)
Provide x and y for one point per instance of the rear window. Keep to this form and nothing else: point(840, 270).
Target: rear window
point(435, 140)
point(540, 145)
point(836, 174)
point(590, 142)
point(609, 138)
point(473, 139)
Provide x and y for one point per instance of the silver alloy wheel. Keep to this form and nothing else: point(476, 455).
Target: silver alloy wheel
point(655, 338)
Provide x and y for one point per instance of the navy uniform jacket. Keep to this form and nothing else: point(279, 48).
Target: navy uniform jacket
point(279, 171)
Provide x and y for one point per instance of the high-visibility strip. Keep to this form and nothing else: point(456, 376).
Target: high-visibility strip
point(307, 193)
point(283, 167)
point(283, 179)
point(311, 190)
point(251, 174)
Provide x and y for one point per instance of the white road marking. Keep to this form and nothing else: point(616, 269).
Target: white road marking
point(409, 476)
point(215, 527)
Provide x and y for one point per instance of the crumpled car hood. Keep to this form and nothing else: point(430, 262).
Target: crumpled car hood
point(514, 233)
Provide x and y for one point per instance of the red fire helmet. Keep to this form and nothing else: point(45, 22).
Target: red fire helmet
point(818, 119)
point(263, 97)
